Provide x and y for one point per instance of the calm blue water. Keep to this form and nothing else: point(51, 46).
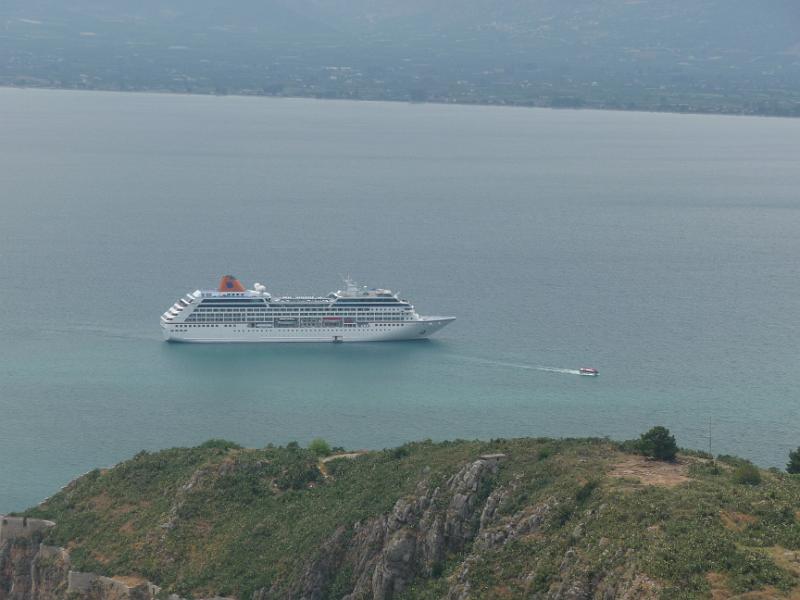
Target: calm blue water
point(662, 249)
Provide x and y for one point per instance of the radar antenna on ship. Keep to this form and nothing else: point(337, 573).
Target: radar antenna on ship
point(350, 286)
point(261, 290)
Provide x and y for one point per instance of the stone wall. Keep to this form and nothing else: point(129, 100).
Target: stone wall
point(12, 528)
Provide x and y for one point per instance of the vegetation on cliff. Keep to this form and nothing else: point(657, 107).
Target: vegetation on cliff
point(464, 519)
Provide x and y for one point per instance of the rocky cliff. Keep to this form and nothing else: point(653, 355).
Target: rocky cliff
point(511, 519)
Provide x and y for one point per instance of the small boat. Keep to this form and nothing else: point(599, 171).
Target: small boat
point(588, 372)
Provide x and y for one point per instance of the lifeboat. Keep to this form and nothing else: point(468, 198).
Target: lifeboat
point(588, 372)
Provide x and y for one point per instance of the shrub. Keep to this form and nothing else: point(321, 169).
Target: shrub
point(747, 475)
point(585, 491)
point(632, 446)
point(658, 443)
point(398, 453)
point(794, 462)
point(319, 447)
point(705, 468)
point(437, 569)
point(220, 445)
point(563, 513)
point(297, 475)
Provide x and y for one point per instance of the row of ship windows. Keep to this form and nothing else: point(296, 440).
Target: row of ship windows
point(298, 316)
point(185, 327)
point(302, 310)
point(304, 305)
point(369, 301)
point(232, 298)
point(294, 315)
point(235, 320)
point(296, 306)
point(268, 316)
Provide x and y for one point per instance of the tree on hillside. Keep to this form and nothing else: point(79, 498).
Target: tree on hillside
point(794, 462)
point(658, 443)
point(319, 447)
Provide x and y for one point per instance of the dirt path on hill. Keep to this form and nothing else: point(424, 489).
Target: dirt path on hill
point(323, 461)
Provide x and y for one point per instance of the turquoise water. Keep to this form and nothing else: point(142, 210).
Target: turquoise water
point(662, 249)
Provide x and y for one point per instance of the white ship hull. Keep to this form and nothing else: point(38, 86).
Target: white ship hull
point(232, 313)
point(374, 332)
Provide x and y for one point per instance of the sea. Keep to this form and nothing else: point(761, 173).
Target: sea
point(662, 249)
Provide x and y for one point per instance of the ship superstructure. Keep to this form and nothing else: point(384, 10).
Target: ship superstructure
point(232, 313)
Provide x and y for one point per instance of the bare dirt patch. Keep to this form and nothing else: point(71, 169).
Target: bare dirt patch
point(127, 528)
point(719, 586)
point(736, 521)
point(786, 559)
point(123, 509)
point(650, 472)
point(130, 580)
point(203, 527)
point(101, 558)
point(720, 590)
point(768, 593)
point(101, 502)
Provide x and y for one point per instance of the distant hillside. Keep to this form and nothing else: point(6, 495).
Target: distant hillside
point(737, 56)
point(525, 518)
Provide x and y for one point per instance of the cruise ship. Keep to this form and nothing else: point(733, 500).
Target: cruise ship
point(232, 313)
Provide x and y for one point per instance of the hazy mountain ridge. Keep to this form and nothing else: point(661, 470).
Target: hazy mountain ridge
point(733, 56)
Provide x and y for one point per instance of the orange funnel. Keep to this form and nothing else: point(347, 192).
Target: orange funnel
point(229, 283)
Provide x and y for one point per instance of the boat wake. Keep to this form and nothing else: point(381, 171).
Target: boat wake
point(509, 365)
point(558, 370)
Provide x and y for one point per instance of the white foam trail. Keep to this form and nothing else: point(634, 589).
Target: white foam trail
point(558, 370)
point(497, 363)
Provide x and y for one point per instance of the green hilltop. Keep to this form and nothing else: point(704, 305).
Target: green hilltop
point(507, 518)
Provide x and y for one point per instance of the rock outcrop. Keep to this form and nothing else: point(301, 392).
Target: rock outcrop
point(32, 570)
point(377, 559)
point(386, 553)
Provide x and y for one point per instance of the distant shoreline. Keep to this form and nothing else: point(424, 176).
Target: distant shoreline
point(241, 94)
